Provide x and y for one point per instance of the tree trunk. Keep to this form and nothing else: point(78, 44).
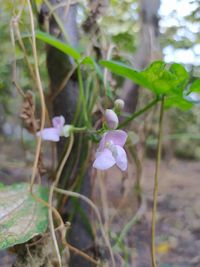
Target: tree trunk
point(148, 49)
point(59, 65)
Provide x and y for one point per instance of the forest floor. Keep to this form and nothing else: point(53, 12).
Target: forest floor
point(178, 223)
point(178, 214)
point(178, 219)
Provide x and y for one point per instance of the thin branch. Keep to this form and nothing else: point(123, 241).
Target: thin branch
point(81, 253)
point(41, 94)
point(14, 65)
point(138, 113)
point(82, 95)
point(155, 193)
point(57, 19)
point(94, 207)
point(132, 222)
point(104, 201)
point(22, 46)
point(108, 57)
point(58, 174)
point(63, 84)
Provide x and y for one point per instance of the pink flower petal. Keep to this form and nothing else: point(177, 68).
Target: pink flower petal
point(58, 122)
point(117, 137)
point(50, 134)
point(102, 142)
point(111, 119)
point(104, 160)
point(121, 158)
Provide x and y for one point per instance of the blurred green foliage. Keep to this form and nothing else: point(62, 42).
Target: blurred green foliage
point(123, 20)
point(6, 58)
point(9, 53)
point(185, 129)
point(180, 31)
point(182, 138)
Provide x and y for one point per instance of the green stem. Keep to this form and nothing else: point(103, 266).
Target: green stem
point(138, 113)
point(82, 96)
point(155, 193)
point(79, 129)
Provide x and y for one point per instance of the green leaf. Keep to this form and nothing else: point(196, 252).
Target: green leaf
point(156, 77)
point(125, 71)
point(178, 102)
point(65, 48)
point(195, 87)
point(21, 215)
point(181, 75)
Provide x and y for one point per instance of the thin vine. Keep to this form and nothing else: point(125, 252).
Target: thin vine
point(155, 193)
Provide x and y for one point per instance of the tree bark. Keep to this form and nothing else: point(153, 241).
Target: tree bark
point(148, 49)
point(59, 65)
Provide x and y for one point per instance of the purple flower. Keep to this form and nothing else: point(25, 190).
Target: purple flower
point(111, 119)
point(111, 152)
point(58, 129)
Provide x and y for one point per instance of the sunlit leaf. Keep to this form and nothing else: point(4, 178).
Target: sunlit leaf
point(124, 71)
point(156, 77)
point(21, 215)
point(65, 48)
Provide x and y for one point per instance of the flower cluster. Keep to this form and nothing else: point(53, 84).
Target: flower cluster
point(59, 129)
point(111, 151)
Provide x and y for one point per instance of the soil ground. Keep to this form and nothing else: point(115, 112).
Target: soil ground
point(178, 225)
point(178, 215)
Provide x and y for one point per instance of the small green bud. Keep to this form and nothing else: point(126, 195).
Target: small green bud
point(119, 104)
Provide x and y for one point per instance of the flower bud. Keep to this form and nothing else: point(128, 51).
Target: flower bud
point(66, 130)
point(119, 104)
point(111, 119)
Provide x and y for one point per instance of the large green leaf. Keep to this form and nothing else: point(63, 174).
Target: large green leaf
point(156, 77)
point(65, 48)
point(21, 215)
point(125, 71)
